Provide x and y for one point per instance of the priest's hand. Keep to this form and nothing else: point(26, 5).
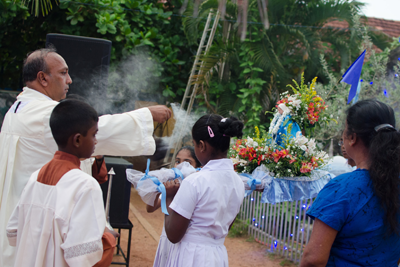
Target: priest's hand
point(160, 113)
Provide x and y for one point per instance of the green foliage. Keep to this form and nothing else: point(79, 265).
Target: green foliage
point(135, 27)
point(251, 94)
point(379, 82)
point(268, 59)
point(238, 229)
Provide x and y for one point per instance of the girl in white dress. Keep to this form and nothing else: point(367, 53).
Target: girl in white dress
point(207, 202)
point(185, 154)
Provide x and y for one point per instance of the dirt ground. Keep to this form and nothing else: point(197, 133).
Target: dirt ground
point(147, 228)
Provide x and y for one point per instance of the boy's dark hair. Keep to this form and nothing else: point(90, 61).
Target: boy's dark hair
point(222, 128)
point(32, 66)
point(70, 117)
point(192, 154)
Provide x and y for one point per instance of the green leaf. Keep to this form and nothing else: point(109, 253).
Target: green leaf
point(148, 34)
point(111, 28)
point(232, 86)
point(258, 69)
point(246, 70)
point(147, 42)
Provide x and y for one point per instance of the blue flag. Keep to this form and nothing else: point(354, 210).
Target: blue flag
point(352, 76)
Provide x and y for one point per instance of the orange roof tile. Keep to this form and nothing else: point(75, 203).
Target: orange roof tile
point(389, 27)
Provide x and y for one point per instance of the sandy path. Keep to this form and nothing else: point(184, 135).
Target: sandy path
point(147, 229)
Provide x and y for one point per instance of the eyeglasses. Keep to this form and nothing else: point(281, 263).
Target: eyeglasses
point(340, 143)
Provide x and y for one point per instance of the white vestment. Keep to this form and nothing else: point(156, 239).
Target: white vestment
point(210, 199)
point(60, 225)
point(26, 144)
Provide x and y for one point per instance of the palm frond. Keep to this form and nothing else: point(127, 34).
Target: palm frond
point(41, 7)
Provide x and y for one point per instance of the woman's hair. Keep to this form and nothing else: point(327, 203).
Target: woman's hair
point(383, 144)
point(217, 130)
point(192, 154)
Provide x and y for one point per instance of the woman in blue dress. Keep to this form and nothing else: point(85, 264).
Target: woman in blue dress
point(357, 214)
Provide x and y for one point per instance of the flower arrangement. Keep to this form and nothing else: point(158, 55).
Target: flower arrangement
point(299, 157)
point(305, 107)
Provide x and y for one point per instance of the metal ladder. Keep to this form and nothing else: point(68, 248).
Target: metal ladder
point(192, 86)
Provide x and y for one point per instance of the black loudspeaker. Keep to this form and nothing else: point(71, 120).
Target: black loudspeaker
point(88, 60)
point(120, 191)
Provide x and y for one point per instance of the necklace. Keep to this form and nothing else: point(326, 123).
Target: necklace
point(277, 122)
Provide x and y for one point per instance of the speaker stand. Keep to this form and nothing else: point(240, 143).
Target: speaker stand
point(127, 226)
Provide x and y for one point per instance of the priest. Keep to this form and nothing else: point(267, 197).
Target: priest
point(26, 142)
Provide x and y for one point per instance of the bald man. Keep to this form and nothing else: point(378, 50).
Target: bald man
point(26, 142)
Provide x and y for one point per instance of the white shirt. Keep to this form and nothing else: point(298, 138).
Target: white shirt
point(26, 144)
point(60, 225)
point(210, 198)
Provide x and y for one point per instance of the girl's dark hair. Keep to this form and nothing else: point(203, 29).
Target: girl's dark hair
point(222, 128)
point(192, 154)
point(383, 155)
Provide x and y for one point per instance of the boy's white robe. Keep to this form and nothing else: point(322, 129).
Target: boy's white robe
point(60, 225)
point(26, 144)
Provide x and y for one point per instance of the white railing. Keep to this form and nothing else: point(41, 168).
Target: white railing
point(283, 227)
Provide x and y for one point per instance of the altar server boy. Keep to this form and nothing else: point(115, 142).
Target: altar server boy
point(60, 220)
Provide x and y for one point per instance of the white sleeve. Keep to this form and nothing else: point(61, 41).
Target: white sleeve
point(185, 200)
point(126, 134)
point(82, 243)
point(48, 138)
point(13, 222)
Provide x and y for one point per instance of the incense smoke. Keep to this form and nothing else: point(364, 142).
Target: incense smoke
point(183, 127)
point(134, 79)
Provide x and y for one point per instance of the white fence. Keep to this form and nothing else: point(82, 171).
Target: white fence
point(283, 227)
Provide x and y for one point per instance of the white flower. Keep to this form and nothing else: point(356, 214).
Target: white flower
point(311, 144)
point(322, 155)
point(294, 101)
point(284, 108)
point(289, 170)
point(251, 143)
point(234, 160)
point(300, 139)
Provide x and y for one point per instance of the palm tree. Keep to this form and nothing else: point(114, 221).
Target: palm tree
point(292, 44)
